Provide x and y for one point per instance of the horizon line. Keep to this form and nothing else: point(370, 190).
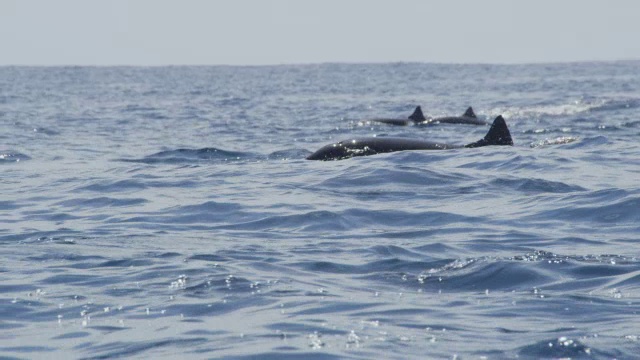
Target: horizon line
point(557, 62)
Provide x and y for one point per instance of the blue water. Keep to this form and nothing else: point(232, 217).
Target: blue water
point(169, 213)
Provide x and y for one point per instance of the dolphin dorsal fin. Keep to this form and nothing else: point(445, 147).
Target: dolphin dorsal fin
point(469, 113)
point(498, 135)
point(417, 115)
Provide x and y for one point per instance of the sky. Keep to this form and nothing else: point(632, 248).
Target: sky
point(265, 32)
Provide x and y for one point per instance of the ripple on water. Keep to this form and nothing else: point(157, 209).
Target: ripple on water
point(9, 156)
point(188, 156)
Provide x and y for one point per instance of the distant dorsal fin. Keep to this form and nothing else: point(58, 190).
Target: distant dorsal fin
point(417, 115)
point(469, 113)
point(498, 135)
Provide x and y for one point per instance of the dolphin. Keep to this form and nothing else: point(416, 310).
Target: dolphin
point(416, 117)
point(469, 117)
point(498, 135)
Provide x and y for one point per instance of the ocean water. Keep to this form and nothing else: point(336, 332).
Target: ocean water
point(169, 212)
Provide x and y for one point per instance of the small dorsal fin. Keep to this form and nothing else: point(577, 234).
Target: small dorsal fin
point(469, 113)
point(417, 115)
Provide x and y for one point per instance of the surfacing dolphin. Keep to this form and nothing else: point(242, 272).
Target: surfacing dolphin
point(418, 118)
point(498, 135)
point(469, 117)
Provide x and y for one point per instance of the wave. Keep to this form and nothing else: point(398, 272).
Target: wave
point(363, 176)
point(9, 156)
point(534, 186)
point(555, 141)
point(577, 107)
point(185, 155)
point(100, 202)
point(288, 154)
point(565, 347)
point(616, 104)
point(538, 273)
point(546, 110)
point(612, 212)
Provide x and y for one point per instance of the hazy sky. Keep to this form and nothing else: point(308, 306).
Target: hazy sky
point(248, 32)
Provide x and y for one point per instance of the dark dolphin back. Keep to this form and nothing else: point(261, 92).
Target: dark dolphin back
point(498, 135)
point(417, 115)
point(469, 113)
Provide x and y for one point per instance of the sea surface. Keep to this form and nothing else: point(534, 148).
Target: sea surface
point(169, 212)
